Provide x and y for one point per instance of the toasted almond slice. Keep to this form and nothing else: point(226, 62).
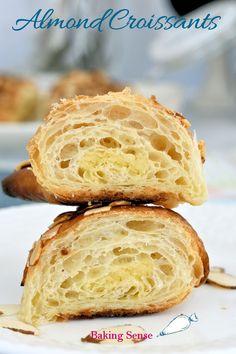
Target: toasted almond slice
point(50, 233)
point(18, 326)
point(23, 164)
point(82, 208)
point(224, 280)
point(90, 206)
point(117, 335)
point(34, 257)
point(9, 309)
point(97, 210)
point(61, 218)
point(217, 269)
point(118, 203)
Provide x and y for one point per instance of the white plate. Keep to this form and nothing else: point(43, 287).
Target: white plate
point(215, 332)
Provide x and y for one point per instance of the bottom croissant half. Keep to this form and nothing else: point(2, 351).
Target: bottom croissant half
point(124, 260)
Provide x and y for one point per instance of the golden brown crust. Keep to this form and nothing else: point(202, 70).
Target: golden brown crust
point(67, 220)
point(89, 313)
point(147, 195)
point(23, 184)
point(20, 330)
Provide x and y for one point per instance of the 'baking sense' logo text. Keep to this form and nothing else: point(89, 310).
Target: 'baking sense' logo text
point(116, 20)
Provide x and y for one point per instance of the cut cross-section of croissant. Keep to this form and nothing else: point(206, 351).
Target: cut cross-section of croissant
point(118, 146)
point(123, 261)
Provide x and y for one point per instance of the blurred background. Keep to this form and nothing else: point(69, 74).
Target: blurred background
point(191, 71)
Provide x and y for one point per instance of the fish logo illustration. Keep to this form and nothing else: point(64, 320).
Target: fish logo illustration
point(178, 324)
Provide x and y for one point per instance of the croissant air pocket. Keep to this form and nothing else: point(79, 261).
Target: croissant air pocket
point(117, 146)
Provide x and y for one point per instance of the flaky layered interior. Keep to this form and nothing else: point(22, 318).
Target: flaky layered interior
point(117, 145)
point(113, 263)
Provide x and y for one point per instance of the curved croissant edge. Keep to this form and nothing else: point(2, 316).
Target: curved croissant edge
point(22, 184)
point(66, 220)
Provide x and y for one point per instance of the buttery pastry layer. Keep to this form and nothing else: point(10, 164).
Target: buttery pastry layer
point(118, 146)
point(121, 260)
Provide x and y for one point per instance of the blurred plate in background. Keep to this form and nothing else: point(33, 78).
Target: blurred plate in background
point(13, 140)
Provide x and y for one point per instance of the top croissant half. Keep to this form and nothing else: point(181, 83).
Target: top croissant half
point(117, 146)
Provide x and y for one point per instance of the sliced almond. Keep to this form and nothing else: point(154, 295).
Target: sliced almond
point(217, 269)
point(223, 280)
point(118, 203)
point(123, 334)
point(34, 256)
point(202, 149)
point(18, 326)
point(50, 233)
point(97, 210)
point(23, 164)
point(83, 208)
point(9, 309)
point(62, 217)
point(89, 206)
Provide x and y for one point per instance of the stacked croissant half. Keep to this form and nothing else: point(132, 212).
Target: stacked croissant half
point(123, 160)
